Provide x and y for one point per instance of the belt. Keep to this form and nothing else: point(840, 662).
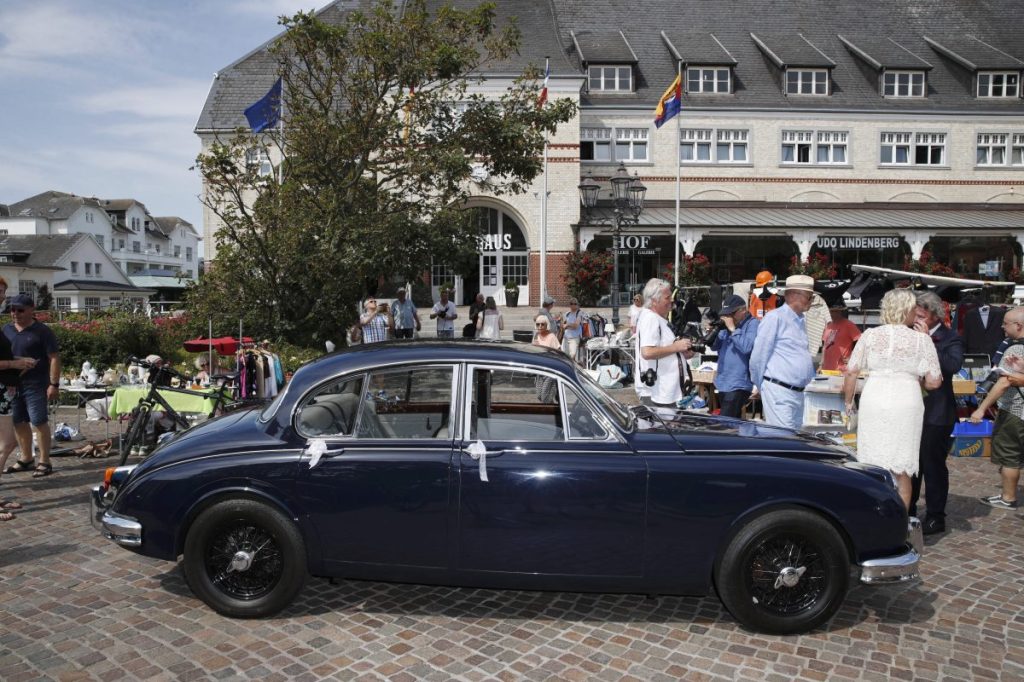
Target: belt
point(784, 385)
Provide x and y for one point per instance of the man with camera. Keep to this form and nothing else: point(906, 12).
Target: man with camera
point(734, 345)
point(657, 349)
point(1008, 436)
point(781, 364)
point(444, 312)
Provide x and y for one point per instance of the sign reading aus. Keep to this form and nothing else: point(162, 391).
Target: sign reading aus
point(496, 242)
point(858, 242)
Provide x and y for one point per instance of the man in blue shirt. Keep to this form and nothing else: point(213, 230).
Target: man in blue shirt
point(781, 364)
point(734, 345)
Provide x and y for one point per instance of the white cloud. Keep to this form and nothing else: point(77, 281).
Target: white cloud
point(179, 99)
point(55, 31)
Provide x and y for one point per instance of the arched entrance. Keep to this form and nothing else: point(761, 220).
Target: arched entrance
point(504, 255)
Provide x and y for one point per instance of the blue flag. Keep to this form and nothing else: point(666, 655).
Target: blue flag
point(267, 111)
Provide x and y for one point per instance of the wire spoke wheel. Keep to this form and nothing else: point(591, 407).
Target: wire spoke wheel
point(786, 574)
point(243, 560)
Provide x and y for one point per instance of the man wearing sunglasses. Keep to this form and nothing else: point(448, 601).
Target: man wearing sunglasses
point(32, 339)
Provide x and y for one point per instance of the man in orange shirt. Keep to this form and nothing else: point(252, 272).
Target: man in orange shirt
point(838, 339)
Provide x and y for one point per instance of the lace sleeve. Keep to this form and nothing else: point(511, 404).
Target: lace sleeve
point(857, 360)
point(928, 358)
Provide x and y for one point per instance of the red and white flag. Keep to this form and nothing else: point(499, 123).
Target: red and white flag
point(544, 90)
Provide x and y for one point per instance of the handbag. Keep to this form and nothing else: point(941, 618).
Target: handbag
point(469, 330)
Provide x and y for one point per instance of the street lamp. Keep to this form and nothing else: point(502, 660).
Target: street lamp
point(627, 205)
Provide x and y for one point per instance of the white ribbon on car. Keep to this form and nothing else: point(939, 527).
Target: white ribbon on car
point(478, 451)
point(315, 448)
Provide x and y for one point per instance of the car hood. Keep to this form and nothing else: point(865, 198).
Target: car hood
point(698, 433)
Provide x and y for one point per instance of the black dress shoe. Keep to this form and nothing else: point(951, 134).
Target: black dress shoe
point(932, 526)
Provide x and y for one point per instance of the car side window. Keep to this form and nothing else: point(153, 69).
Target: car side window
point(582, 421)
point(509, 404)
point(331, 410)
point(410, 402)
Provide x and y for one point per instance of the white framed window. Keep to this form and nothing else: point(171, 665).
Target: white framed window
point(709, 79)
point(999, 84)
point(798, 146)
point(136, 223)
point(99, 239)
point(188, 254)
point(258, 161)
point(91, 302)
point(63, 303)
point(99, 269)
point(695, 145)
point(74, 267)
point(930, 149)
point(1017, 150)
point(27, 286)
point(991, 149)
point(136, 247)
point(832, 146)
point(806, 81)
point(603, 78)
point(595, 144)
point(903, 84)
point(631, 144)
point(88, 216)
point(895, 149)
point(120, 245)
point(157, 247)
point(88, 269)
point(731, 146)
point(177, 251)
point(913, 149)
point(439, 274)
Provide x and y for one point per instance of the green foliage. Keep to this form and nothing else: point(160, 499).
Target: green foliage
point(696, 271)
point(927, 265)
point(381, 132)
point(106, 339)
point(818, 266)
point(587, 274)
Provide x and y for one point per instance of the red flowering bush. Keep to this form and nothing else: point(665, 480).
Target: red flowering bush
point(927, 265)
point(1016, 276)
point(587, 274)
point(696, 271)
point(818, 266)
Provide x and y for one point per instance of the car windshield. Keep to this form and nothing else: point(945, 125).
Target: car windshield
point(616, 410)
point(270, 410)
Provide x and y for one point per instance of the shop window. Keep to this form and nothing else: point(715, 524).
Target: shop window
point(713, 79)
point(806, 81)
point(991, 149)
point(903, 84)
point(596, 144)
point(631, 144)
point(996, 84)
point(610, 78)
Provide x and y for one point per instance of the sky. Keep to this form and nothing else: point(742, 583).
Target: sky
point(100, 97)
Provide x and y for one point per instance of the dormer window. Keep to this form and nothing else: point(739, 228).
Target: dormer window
point(903, 84)
point(606, 78)
point(999, 84)
point(807, 81)
point(708, 79)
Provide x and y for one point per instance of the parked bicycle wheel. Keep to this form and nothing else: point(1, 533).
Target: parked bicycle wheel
point(136, 435)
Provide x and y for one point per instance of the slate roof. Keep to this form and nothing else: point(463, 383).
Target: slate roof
point(606, 47)
point(43, 251)
point(52, 205)
point(98, 285)
point(973, 53)
point(697, 49)
point(120, 204)
point(787, 50)
point(167, 224)
point(883, 53)
point(548, 27)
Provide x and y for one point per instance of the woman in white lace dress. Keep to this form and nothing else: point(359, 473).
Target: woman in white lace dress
point(489, 322)
point(898, 361)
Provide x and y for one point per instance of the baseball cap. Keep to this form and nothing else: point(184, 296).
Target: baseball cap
point(548, 300)
point(22, 301)
point(732, 304)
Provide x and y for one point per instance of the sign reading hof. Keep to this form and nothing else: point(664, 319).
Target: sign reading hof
point(858, 242)
point(636, 244)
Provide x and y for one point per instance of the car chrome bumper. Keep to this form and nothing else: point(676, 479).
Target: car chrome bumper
point(123, 530)
point(898, 568)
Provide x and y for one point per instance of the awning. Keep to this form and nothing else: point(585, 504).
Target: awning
point(821, 219)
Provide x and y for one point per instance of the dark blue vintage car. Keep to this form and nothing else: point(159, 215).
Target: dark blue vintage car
point(503, 465)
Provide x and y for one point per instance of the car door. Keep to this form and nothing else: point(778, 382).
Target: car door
point(563, 494)
point(380, 494)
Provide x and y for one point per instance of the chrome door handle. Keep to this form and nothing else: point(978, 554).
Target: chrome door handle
point(332, 453)
point(489, 453)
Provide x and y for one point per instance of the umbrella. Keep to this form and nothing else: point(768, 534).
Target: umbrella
point(225, 345)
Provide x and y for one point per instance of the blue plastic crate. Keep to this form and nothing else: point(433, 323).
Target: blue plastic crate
point(967, 429)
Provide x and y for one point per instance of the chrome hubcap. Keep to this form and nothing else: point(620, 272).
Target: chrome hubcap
point(240, 562)
point(789, 576)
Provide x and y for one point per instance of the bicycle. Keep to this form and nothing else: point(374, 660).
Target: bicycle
point(222, 395)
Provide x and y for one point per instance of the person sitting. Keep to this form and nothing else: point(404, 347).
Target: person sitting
point(202, 375)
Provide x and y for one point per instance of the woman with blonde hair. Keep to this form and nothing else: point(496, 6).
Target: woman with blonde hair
point(899, 361)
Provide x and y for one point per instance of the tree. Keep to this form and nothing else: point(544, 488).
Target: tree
point(381, 133)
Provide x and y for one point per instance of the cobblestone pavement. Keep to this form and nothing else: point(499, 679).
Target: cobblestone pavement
point(75, 607)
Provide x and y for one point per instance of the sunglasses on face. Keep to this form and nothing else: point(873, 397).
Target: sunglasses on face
point(542, 326)
point(17, 310)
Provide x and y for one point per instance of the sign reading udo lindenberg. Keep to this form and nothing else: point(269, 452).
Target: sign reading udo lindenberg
point(858, 242)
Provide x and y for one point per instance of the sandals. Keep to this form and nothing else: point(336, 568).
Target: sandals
point(6, 505)
point(7, 516)
point(42, 470)
point(20, 466)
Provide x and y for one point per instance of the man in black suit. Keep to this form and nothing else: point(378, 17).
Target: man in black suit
point(939, 414)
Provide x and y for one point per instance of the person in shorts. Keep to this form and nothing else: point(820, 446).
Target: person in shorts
point(1008, 436)
point(32, 339)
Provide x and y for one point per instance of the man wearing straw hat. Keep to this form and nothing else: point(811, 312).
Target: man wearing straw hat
point(780, 364)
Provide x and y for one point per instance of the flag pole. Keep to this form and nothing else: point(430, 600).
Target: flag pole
point(544, 206)
point(679, 141)
point(280, 129)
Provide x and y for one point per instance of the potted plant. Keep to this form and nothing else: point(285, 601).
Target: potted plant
point(511, 293)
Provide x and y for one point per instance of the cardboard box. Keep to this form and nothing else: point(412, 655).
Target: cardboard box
point(964, 387)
